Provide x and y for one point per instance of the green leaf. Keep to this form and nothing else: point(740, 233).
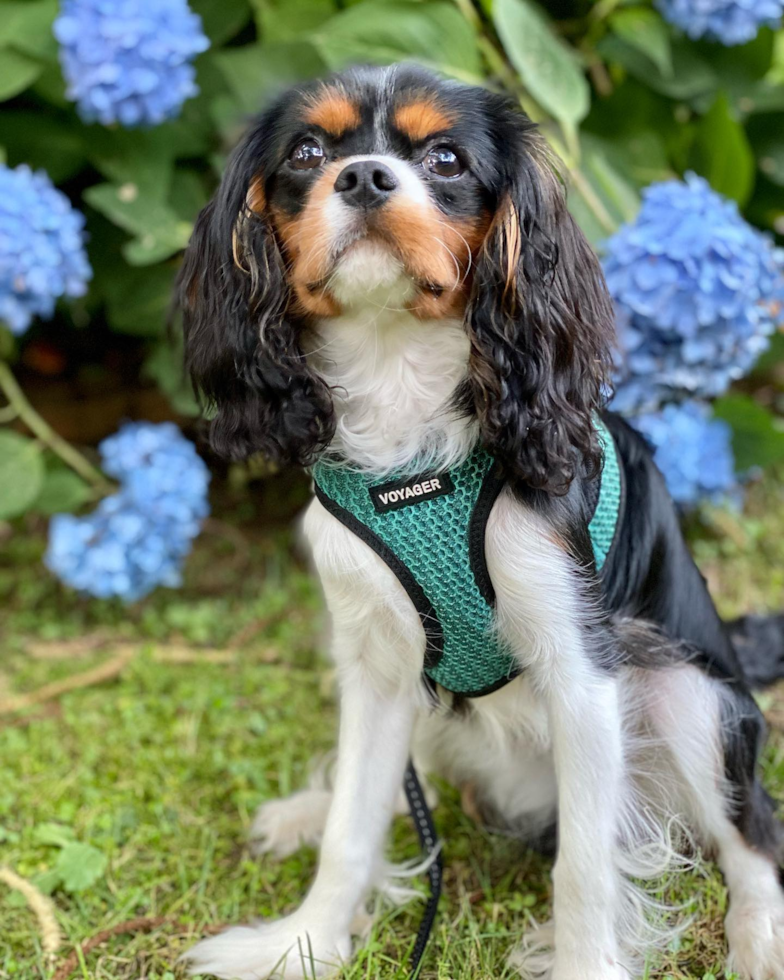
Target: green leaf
point(138, 300)
point(17, 72)
point(53, 834)
point(285, 20)
point(80, 866)
point(721, 152)
point(159, 230)
point(28, 27)
point(602, 195)
point(548, 69)
point(62, 491)
point(386, 31)
point(255, 71)
point(644, 30)
point(30, 137)
point(158, 243)
point(691, 78)
point(133, 158)
point(188, 195)
point(21, 473)
point(222, 19)
point(757, 436)
point(164, 366)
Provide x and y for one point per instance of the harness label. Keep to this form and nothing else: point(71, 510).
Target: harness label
point(393, 496)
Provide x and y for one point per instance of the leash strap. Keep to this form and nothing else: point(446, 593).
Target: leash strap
point(428, 840)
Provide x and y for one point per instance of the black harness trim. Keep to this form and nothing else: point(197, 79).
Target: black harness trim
point(434, 633)
point(492, 485)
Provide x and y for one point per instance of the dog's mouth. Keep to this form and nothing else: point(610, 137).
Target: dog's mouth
point(370, 259)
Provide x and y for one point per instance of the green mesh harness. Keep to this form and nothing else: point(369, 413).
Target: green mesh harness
point(430, 530)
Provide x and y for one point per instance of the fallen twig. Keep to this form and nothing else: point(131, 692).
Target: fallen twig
point(98, 675)
point(127, 650)
point(67, 649)
point(41, 905)
point(149, 924)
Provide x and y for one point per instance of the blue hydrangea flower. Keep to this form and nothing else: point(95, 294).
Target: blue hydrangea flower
point(138, 538)
point(42, 254)
point(697, 293)
point(728, 21)
point(129, 61)
point(693, 450)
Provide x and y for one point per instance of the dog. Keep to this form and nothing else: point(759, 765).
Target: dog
point(388, 282)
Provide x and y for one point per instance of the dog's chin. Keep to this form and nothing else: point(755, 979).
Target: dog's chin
point(371, 273)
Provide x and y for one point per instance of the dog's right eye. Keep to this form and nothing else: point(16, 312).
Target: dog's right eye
point(307, 155)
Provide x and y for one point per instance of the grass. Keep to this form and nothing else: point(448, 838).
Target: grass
point(222, 705)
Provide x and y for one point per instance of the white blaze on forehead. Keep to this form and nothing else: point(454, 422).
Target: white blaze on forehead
point(370, 269)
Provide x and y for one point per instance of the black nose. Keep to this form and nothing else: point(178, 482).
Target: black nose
point(365, 184)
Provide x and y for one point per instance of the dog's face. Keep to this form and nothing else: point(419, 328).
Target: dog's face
point(380, 179)
point(397, 179)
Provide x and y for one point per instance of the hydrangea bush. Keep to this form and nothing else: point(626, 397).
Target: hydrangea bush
point(129, 61)
point(697, 289)
point(137, 538)
point(693, 450)
point(697, 292)
point(728, 21)
point(42, 254)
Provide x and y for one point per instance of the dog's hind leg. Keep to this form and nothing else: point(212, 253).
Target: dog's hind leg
point(713, 731)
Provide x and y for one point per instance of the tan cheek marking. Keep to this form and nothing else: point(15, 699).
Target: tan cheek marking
point(333, 111)
point(426, 238)
point(421, 119)
point(416, 231)
point(305, 238)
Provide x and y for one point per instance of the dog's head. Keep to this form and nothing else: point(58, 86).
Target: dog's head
point(396, 179)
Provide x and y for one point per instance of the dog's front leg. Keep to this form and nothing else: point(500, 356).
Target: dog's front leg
point(587, 747)
point(375, 731)
point(553, 623)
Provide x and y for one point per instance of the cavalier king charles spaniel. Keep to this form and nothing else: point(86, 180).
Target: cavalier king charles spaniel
point(387, 279)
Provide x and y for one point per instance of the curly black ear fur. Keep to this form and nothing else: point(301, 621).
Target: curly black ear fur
point(541, 323)
point(242, 350)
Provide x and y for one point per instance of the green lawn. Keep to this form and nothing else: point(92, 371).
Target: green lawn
point(134, 797)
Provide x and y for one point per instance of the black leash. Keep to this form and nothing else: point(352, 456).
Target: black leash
point(428, 840)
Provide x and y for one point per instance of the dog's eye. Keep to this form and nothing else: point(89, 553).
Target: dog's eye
point(443, 162)
point(308, 155)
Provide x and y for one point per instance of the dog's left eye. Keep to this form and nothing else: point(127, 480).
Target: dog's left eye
point(308, 155)
point(443, 162)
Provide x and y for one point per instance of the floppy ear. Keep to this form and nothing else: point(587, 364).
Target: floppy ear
point(242, 350)
point(541, 325)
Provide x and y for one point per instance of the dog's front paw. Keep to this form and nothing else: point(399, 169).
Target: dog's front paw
point(755, 933)
point(582, 971)
point(281, 827)
point(287, 948)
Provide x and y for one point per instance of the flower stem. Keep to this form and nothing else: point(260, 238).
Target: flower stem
point(19, 407)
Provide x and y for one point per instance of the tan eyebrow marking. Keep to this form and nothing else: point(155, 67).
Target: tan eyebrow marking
point(333, 111)
point(421, 118)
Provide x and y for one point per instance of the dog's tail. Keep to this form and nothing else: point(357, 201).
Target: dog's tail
point(759, 641)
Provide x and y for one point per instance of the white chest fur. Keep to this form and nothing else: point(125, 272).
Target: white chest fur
point(393, 379)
